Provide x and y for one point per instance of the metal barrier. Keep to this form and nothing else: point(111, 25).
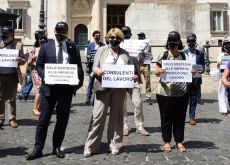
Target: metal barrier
point(206, 48)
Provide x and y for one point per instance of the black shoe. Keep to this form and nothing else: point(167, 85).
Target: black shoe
point(21, 98)
point(58, 152)
point(1, 123)
point(36, 153)
point(149, 102)
point(199, 101)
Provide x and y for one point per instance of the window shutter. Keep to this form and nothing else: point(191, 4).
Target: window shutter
point(13, 23)
point(225, 21)
point(211, 21)
point(24, 19)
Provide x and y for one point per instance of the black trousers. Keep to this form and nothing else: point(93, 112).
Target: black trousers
point(173, 112)
point(61, 98)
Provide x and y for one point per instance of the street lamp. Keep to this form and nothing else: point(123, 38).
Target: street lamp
point(42, 16)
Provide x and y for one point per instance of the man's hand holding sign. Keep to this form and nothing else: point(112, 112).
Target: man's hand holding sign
point(197, 70)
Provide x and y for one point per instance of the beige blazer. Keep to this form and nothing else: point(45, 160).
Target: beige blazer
point(99, 60)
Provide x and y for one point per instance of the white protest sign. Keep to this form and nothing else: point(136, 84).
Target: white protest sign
point(224, 61)
point(177, 71)
point(134, 46)
point(61, 74)
point(8, 58)
point(147, 59)
point(198, 68)
point(92, 55)
point(118, 76)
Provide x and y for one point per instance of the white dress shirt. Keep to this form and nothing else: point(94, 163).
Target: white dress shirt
point(64, 52)
point(192, 57)
point(113, 57)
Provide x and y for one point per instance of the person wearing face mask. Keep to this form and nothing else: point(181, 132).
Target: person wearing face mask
point(145, 70)
point(61, 50)
point(202, 51)
point(107, 97)
point(40, 38)
point(36, 79)
point(223, 93)
point(9, 77)
point(135, 94)
point(197, 59)
point(91, 51)
point(172, 97)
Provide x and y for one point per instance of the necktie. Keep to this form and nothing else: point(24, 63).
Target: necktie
point(60, 55)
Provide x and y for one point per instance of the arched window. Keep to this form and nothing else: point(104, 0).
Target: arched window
point(81, 34)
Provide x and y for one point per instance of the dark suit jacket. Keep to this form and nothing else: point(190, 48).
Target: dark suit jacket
point(199, 60)
point(47, 54)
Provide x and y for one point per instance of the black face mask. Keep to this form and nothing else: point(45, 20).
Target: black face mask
point(127, 36)
point(172, 45)
point(60, 37)
point(7, 39)
point(227, 48)
point(192, 45)
point(141, 38)
point(97, 38)
point(4, 37)
point(114, 43)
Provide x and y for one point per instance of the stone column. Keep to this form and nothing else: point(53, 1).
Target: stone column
point(97, 7)
point(64, 10)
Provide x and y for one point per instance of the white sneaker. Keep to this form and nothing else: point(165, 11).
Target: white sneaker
point(87, 154)
point(142, 131)
point(114, 150)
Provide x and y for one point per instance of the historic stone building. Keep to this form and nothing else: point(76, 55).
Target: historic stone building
point(209, 19)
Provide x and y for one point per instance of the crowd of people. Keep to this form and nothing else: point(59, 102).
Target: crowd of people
point(173, 97)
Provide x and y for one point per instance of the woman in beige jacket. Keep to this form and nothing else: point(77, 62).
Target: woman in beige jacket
point(107, 97)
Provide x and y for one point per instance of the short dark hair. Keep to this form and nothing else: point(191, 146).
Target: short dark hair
point(225, 42)
point(96, 32)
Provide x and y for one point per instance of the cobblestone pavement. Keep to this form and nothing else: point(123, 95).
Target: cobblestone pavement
point(207, 142)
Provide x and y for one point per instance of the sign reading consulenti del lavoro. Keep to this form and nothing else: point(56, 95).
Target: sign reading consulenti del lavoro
point(8, 58)
point(118, 76)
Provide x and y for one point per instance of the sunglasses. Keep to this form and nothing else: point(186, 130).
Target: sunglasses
point(113, 37)
point(172, 42)
point(191, 41)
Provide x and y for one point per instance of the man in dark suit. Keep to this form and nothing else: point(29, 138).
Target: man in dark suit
point(197, 58)
point(62, 51)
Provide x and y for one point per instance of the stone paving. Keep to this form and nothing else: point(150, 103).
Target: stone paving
point(206, 143)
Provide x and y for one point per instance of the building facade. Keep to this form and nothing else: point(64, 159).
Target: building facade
point(209, 19)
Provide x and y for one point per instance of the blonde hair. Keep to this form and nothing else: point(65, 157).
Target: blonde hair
point(117, 32)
